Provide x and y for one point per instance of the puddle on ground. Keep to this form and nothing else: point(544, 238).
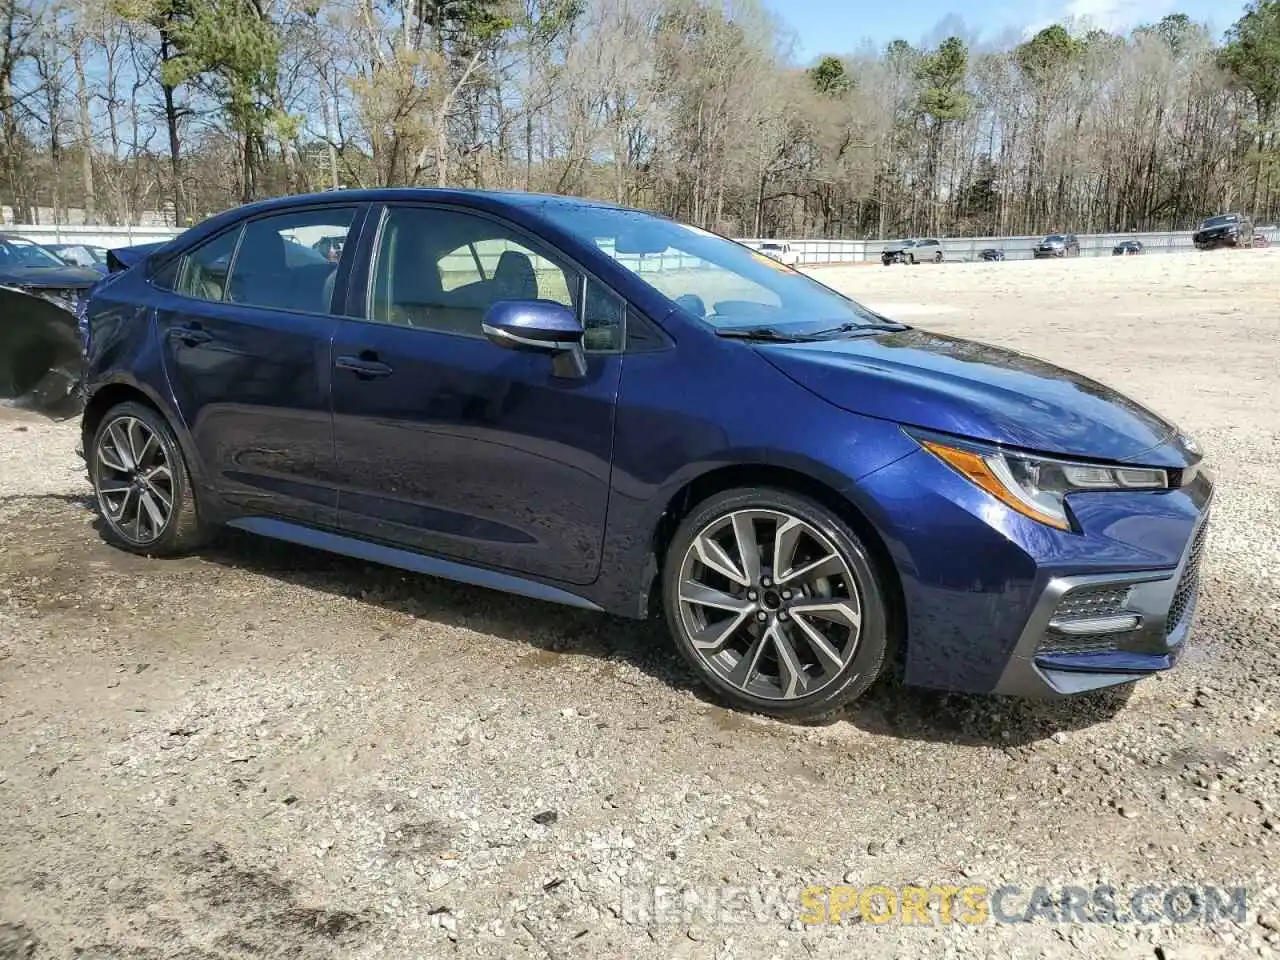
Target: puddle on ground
point(542, 657)
point(730, 721)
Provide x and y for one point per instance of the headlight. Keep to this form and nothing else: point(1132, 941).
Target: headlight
point(1036, 486)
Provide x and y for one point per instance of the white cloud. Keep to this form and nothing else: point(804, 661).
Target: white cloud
point(1119, 14)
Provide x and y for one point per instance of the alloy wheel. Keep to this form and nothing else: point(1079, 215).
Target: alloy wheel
point(133, 480)
point(769, 604)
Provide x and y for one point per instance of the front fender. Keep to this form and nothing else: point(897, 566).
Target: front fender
point(684, 414)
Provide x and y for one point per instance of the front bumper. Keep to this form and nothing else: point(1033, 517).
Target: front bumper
point(996, 602)
point(1215, 240)
point(1094, 631)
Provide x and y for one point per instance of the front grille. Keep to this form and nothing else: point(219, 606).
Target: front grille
point(1083, 603)
point(1105, 600)
point(1184, 593)
point(1062, 643)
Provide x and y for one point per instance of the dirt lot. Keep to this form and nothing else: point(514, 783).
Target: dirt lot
point(265, 751)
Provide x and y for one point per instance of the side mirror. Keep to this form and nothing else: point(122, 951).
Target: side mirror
point(540, 326)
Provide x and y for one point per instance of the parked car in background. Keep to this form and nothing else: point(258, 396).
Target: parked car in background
point(799, 484)
point(912, 251)
point(1225, 230)
point(1057, 245)
point(1127, 248)
point(81, 255)
point(34, 269)
point(991, 253)
point(780, 251)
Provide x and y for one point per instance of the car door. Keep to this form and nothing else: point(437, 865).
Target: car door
point(245, 335)
point(450, 445)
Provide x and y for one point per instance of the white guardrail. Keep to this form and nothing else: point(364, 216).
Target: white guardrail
point(807, 251)
point(93, 236)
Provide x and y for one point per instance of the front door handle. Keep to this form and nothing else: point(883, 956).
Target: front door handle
point(191, 334)
point(367, 366)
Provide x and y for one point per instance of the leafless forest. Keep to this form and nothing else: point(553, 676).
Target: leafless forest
point(696, 108)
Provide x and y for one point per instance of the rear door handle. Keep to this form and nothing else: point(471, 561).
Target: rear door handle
point(191, 334)
point(367, 366)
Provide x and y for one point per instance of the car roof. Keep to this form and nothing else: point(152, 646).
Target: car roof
point(517, 205)
point(508, 198)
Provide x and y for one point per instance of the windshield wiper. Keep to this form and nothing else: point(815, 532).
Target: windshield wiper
point(853, 327)
point(762, 334)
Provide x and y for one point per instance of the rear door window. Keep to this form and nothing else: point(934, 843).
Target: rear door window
point(278, 263)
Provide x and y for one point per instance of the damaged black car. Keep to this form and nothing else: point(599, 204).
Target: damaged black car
point(41, 333)
point(32, 268)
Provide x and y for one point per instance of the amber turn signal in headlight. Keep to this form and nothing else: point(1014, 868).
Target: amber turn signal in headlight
point(1037, 487)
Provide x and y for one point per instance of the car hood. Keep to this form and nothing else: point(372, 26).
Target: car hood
point(53, 277)
point(1219, 230)
point(978, 391)
point(1052, 243)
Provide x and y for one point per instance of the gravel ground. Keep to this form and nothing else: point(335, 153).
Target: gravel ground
point(266, 751)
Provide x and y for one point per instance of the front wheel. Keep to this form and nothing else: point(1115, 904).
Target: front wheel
point(775, 603)
point(142, 483)
point(937, 257)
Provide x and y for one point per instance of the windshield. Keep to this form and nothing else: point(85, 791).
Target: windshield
point(770, 246)
point(1221, 221)
point(717, 280)
point(1053, 238)
point(16, 252)
point(80, 255)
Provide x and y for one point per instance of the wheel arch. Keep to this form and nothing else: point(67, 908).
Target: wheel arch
point(115, 392)
point(111, 395)
point(719, 479)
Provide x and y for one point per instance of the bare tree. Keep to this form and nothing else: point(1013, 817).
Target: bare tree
point(692, 107)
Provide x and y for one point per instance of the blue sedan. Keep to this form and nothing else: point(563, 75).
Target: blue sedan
point(605, 408)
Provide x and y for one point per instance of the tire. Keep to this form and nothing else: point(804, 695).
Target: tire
point(937, 257)
point(748, 637)
point(129, 484)
point(911, 259)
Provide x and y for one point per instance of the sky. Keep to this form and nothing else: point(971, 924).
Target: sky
point(841, 26)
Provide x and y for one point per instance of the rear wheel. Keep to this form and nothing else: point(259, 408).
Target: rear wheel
point(775, 603)
point(142, 483)
point(937, 257)
point(911, 259)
